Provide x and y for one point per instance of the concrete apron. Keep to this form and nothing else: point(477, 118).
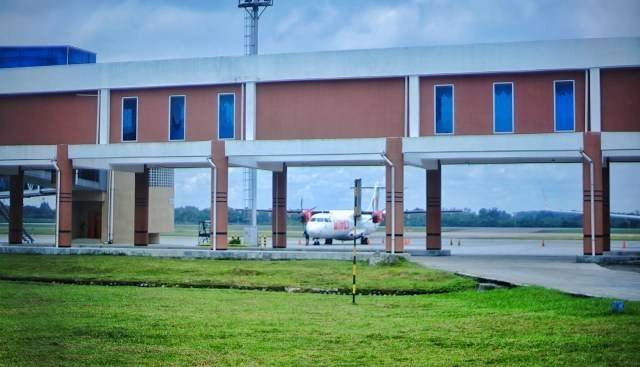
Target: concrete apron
point(559, 273)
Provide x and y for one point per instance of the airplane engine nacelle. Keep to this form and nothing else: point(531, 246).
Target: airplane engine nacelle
point(305, 216)
point(377, 217)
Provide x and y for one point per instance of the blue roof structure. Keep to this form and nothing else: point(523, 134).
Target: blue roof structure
point(25, 56)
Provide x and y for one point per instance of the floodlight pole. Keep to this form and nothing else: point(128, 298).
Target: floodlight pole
point(253, 11)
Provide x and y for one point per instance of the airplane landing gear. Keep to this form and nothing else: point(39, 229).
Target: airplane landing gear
point(364, 241)
point(328, 241)
point(316, 242)
point(306, 238)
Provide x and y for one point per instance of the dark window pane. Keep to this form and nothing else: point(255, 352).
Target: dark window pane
point(89, 174)
point(129, 118)
point(226, 116)
point(503, 107)
point(444, 109)
point(564, 106)
point(176, 118)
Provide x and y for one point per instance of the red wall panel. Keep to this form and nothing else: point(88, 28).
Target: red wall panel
point(620, 98)
point(153, 112)
point(473, 96)
point(330, 109)
point(48, 119)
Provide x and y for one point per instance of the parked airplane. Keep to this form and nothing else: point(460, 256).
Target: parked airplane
point(339, 224)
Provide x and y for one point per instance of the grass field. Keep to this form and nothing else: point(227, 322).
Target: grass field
point(81, 325)
point(320, 274)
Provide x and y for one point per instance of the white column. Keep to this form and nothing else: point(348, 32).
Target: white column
point(594, 99)
point(250, 111)
point(414, 106)
point(250, 174)
point(104, 108)
point(104, 105)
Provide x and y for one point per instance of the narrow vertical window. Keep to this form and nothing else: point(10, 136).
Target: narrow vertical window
point(226, 116)
point(129, 119)
point(176, 117)
point(564, 105)
point(503, 107)
point(444, 105)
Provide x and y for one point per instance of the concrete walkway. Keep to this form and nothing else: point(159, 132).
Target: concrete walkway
point(561, 273)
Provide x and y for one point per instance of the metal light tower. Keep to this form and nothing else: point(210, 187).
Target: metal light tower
point(253, 9)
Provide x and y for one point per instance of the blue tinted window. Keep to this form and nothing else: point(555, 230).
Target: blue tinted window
point(444, 109)
point(564, 106)
point(176, 118)
point(129, 118)
point(226, 116)
point(503, 107)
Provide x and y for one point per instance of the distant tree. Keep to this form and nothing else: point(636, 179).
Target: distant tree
point(485, 217)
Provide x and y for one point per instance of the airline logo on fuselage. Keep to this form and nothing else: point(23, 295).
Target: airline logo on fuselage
point(339, 225)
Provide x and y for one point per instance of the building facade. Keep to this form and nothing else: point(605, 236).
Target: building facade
point(573, 101)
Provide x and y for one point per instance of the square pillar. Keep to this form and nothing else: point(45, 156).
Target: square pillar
point(394, 153)
point(219, 206)
point(141, 214)
point(606, 210)
point(593, 150)
point(279, 212)
point(16, 194)
point(65, 197)
point(434, 208)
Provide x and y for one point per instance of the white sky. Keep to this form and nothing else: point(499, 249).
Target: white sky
point(135, 30)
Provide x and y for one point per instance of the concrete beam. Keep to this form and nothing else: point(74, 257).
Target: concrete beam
point(577, 54)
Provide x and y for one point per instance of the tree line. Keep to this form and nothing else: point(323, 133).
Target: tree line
point(492, 217)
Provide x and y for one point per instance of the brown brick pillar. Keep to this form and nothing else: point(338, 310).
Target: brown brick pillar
point(16, 188)
point(606, 211)
point(141, 214)
point(279, 212)
point(434, 208)
point(394, 153)
point(65, 199)
point(219, 206)
point(593, 150)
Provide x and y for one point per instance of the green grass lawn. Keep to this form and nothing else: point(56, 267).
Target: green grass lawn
point(308, 274)
point(80, 325)
point(69, 325)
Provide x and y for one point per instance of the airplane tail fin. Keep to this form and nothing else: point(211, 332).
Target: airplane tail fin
point(375, 199)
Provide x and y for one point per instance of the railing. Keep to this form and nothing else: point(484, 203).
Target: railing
point(4, 212)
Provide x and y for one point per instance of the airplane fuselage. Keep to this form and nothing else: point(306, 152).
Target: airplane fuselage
point(338, 225)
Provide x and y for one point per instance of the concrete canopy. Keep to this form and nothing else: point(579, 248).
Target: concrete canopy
point(621, 146)
point(272, 155)
point(133, 157)
point(487, 149)
point(13, 157)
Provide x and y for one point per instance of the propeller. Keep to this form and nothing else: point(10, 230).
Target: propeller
point(305, 216)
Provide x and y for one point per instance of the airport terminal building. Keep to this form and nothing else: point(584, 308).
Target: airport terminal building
point(96, 131)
